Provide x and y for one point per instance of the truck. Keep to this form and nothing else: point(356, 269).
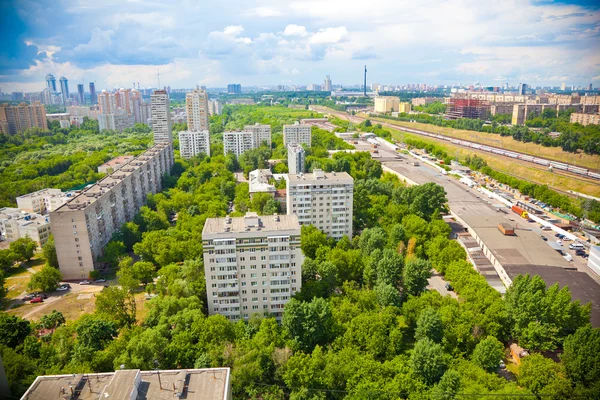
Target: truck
point(520, 211)
point(506, 229)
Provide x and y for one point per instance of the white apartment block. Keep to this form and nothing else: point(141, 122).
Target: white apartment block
point(115, 122)
point(296, 159)
point(193, 143)
point(214, 107)
point(296, 134)
point(16, 224)
point(239, 142)
point(324, 200)
point(161, 117)
point(84, 225)
point(262, 133)
point(196, 103)
point(43, 201)
point(252, 264)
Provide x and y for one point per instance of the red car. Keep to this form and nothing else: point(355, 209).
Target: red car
point(37, 299)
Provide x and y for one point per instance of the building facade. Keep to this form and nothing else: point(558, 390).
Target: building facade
point(404, 107)
point(107, 102)
point(234, 88)
point(196, 103)
point(296, 159)
point(16, 119)
point(84, 225)
point(385, 104)
point(240, 141)
point(423, 101)
point(261, 133)
point(115, 122)
point(51, 83)
point(252, 264)
point(585, 119)
point(193, 143)
point(64, 89)
point(327, 86)
point(161, 117)
point(322, 199)
point(297, 134)
point(16, 223)
point(43, 201)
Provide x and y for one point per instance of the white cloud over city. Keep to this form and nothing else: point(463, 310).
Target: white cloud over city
point(116, 43)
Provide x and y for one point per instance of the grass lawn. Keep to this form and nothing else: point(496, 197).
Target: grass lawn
point(69, 305)
point(506, 142)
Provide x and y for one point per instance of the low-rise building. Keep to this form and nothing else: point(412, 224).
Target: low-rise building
point(252, 264)
point(404, 107)
point(297, 134)
point(16, 224)
point(193, 143)
point(112, 165)
point(132, 384)
point(321, 123)
point(43, 201)
point(386, 104)
point(423, 101)
point(585, 119)
point(322, 199)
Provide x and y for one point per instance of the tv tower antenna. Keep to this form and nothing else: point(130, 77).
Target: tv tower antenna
point(365, 85)
point(158, 77)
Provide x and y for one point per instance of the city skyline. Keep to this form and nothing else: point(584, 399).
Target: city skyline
point(268, 43)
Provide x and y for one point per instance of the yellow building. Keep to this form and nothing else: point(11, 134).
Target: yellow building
point(585, 119)
point(404, 107)
point(15, 119)
point(386, 104)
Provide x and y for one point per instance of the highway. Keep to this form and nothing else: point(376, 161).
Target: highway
point(538, 161)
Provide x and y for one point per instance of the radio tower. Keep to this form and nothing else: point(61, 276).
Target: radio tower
point(365, 86)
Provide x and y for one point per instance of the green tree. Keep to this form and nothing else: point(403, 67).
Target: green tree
point(7, 259)
point(52, 320)
point(425, 200)
point(116, 304)
point(448, 386)
point(387, 295)
point(311, 239)
point(488, 353)
point(46, 279)
point(50, 252)
point(428, 361)
point(23, 248)
point(537, 373)
point(372, 239)
point(429, 326)
point(113, 251)
point(581, 356)
point(308, 323)
point(415, 275)
point(130, 234)
point(13, 329)
point(150, 220)
point(95, 333)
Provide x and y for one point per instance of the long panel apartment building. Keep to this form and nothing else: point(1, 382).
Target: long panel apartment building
point(193, 143)
point(252, 264)
point(296, 134)
point(84, 225)
point(16, 119)
point(252, 137)
point(322, 199)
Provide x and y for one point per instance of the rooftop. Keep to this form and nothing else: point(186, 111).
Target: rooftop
point(117, 161)
point(22, 218)
point(191, 384)
point(48, 192)
point(259, 181)
point(251, 222)
point(319, 175)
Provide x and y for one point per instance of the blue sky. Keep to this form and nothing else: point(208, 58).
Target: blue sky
point(118, 42)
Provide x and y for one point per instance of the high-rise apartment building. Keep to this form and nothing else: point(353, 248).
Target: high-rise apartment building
point(64, 89)
point(107, 103)
point(115, 122)
point(296, 159)
point(563, 86)
point(161, 117)
point(327, 87)
point(84, 225)
point(51, 83)
point(15, 119)
point(93, 93)
point(196, 104)
point(261, 133)
point(234, 88)
point(214, 107)
point(522, 89)
point(122, 100)
point(322, 199)
point(192, 143)
point(252, 264)
point(296, 134)
point(80, 93)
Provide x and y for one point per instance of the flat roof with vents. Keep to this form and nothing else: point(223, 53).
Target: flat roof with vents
point(250, 223)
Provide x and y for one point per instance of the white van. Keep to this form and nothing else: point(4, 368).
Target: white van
point(546, 228)
point(576, 246)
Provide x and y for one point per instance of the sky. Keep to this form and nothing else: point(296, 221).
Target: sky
point(213, 43)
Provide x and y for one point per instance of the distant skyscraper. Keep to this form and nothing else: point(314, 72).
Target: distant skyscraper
point(327, 87)
point(522, 89)
point(563, 87)
point(196, 103)
point(80, 93)
point(590, 87)
point(107, 103)
point(234, 88)
point(161, 117)
point(51, 82)
point(64, 89)
point(93, 99)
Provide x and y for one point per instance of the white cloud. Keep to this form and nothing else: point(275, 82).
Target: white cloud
point(233, 30)
point(295, 30)
point(329, 35)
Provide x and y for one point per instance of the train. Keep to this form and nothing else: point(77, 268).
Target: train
point(507, 153)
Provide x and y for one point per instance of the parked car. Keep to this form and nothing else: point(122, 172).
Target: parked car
point(62, 288)
point(581, 253)
point(37, 299)
point(448, 287)
point(86, 282)
point(28, 297)
point(559, 242)
point(544, 238)
point(101, 280)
